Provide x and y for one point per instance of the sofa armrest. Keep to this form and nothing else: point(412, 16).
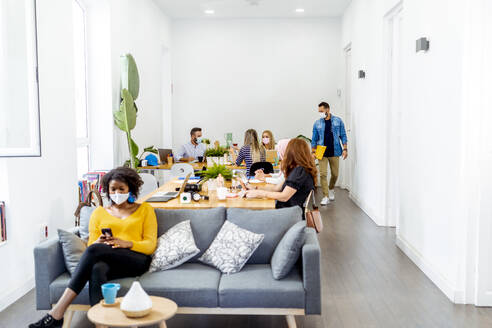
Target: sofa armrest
point(49, 263)
point(311, 272)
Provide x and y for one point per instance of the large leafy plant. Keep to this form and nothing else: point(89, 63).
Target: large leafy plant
point(213, 172)
point(216, 152)
point(125, 118)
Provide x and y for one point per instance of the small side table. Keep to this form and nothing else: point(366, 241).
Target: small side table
point(104, 317)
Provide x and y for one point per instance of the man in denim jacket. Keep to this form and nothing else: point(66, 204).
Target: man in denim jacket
point(329, 131)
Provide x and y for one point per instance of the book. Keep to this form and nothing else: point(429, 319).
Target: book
point(3, 222)
point(320, 151)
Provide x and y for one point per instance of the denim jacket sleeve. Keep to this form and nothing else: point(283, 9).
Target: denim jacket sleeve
point(343, 135)
point(314, 139)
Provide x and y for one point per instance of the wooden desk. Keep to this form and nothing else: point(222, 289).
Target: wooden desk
point(254, 204)
point(198, 166)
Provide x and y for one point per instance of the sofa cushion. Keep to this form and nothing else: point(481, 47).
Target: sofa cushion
point(254, 287)
point(174, 248)
point(205, 224)
point(57, 287)
point(232, 248)
point(85, 216)
point(191, 284)
point(288, 250)
point(272, 223)
point(73, 247)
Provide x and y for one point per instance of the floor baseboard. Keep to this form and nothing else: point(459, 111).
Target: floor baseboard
point(13, 295)
point(430, 271)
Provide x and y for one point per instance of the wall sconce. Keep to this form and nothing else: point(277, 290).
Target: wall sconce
point(362, 74)
point(422, 45)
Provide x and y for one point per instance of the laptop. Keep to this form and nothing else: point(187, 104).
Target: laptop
point(170, 194)
point(163, 153)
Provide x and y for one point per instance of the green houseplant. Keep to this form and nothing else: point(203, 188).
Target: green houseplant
point(215, 155)
point(125, 118)
point(214, 171)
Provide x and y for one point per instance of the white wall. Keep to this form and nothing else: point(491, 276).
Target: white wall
point(232, 75)
point(431, 226)
point(38, 190)
point(140, 27)
point(115, 28)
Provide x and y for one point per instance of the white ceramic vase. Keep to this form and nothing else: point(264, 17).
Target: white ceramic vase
point(136, 302)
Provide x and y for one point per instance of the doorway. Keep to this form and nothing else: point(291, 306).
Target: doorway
point(393, 37)
point(347, 166)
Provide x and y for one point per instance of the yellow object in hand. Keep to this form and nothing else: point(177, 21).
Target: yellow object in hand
point(320, 151)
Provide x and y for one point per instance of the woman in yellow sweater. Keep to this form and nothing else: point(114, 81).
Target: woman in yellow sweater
point(125, 252)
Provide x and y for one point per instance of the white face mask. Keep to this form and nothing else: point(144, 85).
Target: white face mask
point(199, 140)
point(119, 198)
point(266, 141)
point(322, 114)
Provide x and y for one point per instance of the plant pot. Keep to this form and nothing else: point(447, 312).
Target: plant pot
point(215, 160)
point(212, 184)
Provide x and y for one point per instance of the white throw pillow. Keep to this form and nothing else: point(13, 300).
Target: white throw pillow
point(231, 248)
point(174, 248)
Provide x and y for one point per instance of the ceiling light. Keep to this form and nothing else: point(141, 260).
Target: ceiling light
point(209, 12)
point(299, 10)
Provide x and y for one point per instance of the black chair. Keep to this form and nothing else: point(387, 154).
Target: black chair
point(267, 168)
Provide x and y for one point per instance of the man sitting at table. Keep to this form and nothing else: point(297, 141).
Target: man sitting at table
point(193, 149)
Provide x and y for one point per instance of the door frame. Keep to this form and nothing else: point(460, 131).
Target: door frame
point(348, 168)
point(392, 74)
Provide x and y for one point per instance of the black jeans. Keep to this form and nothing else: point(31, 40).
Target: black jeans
point(101, 263)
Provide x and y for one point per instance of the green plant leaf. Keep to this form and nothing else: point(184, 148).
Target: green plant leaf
point(133, 148)
point(126, 117)
point(151, 149)
point(214, 171)
point(129, 75)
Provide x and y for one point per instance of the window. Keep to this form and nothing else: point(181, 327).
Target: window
point(19, 109)
point(80, 76)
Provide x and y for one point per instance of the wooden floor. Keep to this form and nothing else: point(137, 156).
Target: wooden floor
point(367, 282)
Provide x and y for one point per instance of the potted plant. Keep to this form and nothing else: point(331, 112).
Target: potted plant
point(213, 172)
point(216, 155)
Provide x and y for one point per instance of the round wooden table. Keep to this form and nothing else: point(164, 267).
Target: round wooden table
point(103, 317)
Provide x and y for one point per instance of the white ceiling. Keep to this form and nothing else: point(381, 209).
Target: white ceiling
point(252, 8)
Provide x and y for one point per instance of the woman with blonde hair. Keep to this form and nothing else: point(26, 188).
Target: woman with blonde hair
point(267, 140)
point(251, 152)
point(300, 171)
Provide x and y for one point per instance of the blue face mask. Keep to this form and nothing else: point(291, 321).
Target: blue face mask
point(199, 140)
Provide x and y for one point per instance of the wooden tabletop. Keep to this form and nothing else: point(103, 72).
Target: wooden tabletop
point(197, 166)
point(256, 204)
point(162, 309)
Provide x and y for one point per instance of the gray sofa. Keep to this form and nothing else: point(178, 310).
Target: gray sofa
point(199, 288)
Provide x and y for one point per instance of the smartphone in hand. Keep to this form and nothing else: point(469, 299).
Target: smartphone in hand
point(107, 232)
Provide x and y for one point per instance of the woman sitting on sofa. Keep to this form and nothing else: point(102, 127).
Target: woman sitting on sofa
point(125, 252)
point(300, 171)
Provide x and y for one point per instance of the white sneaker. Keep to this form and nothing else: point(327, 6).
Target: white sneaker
point(331, 194)
point(325, 201)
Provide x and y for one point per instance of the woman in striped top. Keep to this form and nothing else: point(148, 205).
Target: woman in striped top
point(251, 152)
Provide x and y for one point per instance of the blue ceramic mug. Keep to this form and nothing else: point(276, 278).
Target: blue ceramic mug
point(109, 292)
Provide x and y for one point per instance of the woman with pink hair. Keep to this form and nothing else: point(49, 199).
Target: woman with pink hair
point(275, 178)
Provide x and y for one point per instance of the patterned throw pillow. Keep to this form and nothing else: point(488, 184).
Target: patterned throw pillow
point(231, 248)
point(174, 248)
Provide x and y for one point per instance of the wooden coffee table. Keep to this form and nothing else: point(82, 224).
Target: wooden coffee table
point(103, 317)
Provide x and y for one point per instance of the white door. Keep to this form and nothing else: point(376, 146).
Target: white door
point(347, 165)
point(392, 204)
point(482, 98)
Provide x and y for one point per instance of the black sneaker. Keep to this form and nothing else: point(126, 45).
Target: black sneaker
point(47, 322)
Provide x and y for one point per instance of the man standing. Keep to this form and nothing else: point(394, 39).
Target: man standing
point(329, 131)
point(193, 149)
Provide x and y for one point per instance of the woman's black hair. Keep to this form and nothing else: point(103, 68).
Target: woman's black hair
point(126, 175)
